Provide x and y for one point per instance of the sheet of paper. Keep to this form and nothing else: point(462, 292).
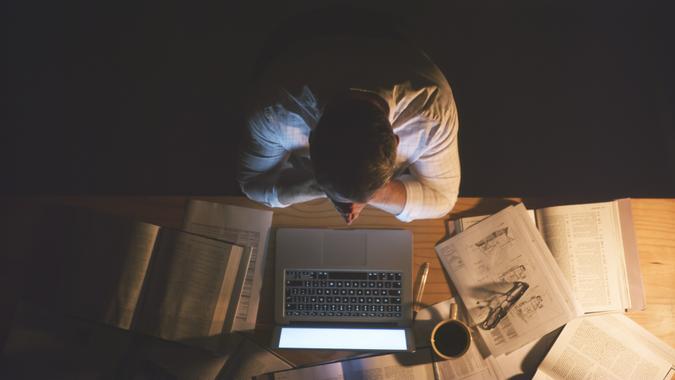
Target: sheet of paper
point(251, 360)
point(470, 366)
point(242, 226)
point(586, 243)
point(523, 362)
point(107, 259)
point(189, 278)
point(671, 373)
point(468, 221)
point(508, 281)
point(407, 366)
point(631, 255)
point(607, 346)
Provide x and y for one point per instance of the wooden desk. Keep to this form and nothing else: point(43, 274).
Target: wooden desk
point(654, 227)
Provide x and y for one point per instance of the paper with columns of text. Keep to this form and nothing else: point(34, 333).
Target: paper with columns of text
point(242, 226)
point(609, 346)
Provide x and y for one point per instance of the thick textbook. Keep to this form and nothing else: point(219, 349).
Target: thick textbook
point(163, 282)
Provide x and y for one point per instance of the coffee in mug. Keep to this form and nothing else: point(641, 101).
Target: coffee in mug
point(451, 338)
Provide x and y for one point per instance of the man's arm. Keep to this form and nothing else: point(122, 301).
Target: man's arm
point(390, 198)
point(263, 173)
point(433, 187)
point(431, 191)
point(297, 186)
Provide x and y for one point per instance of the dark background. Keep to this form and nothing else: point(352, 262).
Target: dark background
point(132, 97)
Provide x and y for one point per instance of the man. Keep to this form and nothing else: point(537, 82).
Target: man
point(377, 119)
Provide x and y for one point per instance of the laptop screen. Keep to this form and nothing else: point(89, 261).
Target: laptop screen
point(391, 339)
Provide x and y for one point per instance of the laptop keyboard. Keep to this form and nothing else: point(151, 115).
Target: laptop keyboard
point(352, 294)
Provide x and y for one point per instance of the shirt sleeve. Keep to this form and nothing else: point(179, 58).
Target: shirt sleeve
point(261, 159)
point(433, 187)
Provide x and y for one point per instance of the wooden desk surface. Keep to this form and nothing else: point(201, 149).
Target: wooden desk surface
point(654, 226)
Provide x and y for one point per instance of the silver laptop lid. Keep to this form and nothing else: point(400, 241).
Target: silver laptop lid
point(313, 257)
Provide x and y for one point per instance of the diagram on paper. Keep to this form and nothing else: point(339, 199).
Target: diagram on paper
point(493, 309)
point(456, 263)
point(491, 244)
point(527, 309)
point(513, 274)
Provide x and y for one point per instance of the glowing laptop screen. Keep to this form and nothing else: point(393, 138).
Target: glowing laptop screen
point(343, 338)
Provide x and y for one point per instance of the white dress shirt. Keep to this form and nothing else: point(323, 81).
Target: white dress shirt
point(291, 96)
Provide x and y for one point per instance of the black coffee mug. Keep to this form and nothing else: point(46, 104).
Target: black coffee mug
point(451, 338)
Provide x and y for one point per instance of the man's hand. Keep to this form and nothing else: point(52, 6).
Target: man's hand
point(347, 210)
point(390, 198)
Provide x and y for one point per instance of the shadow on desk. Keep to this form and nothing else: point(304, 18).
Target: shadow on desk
point(44, 344)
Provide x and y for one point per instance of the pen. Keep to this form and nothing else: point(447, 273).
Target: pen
point(420, 289)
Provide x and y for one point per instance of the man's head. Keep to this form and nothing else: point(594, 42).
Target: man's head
point(353, 147)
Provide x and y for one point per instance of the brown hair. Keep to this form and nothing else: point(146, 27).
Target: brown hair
point(353, 147)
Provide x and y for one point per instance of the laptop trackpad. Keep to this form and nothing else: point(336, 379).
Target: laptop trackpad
point(344, 248)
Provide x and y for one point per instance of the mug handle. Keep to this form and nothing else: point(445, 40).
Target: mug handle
point(453, 310)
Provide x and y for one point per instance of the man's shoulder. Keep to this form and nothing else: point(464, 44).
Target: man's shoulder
point(283, 108)
point(423, 104)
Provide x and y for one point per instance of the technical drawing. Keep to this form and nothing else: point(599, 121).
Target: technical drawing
point(513, 274)
point(527, 309)
point(498, 305)
point(455, 262)
point(494, 240)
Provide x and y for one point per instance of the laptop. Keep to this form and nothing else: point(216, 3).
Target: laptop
point(343, 289)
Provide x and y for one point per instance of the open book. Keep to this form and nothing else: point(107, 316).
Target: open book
point(594, 246)
point(507, 279)
point(607, 346)
point(240, 225)
point(162, 282)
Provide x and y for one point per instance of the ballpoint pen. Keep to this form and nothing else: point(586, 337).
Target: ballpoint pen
point(420, 289)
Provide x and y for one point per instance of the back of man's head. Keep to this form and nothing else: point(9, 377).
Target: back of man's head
point(353, 147)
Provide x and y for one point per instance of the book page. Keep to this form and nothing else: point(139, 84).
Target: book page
point(107, 258)
point(407, 366)
point(631, 256)
point(609, 347)
point(586, 243)
point(507, 279)
point(671, 373)
point(470, 366)
point(242, 226)
point(468, 221)
point(523, 362)
point(189, 280)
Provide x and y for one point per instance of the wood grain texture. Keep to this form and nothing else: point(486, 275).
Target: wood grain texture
point(654, 221)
